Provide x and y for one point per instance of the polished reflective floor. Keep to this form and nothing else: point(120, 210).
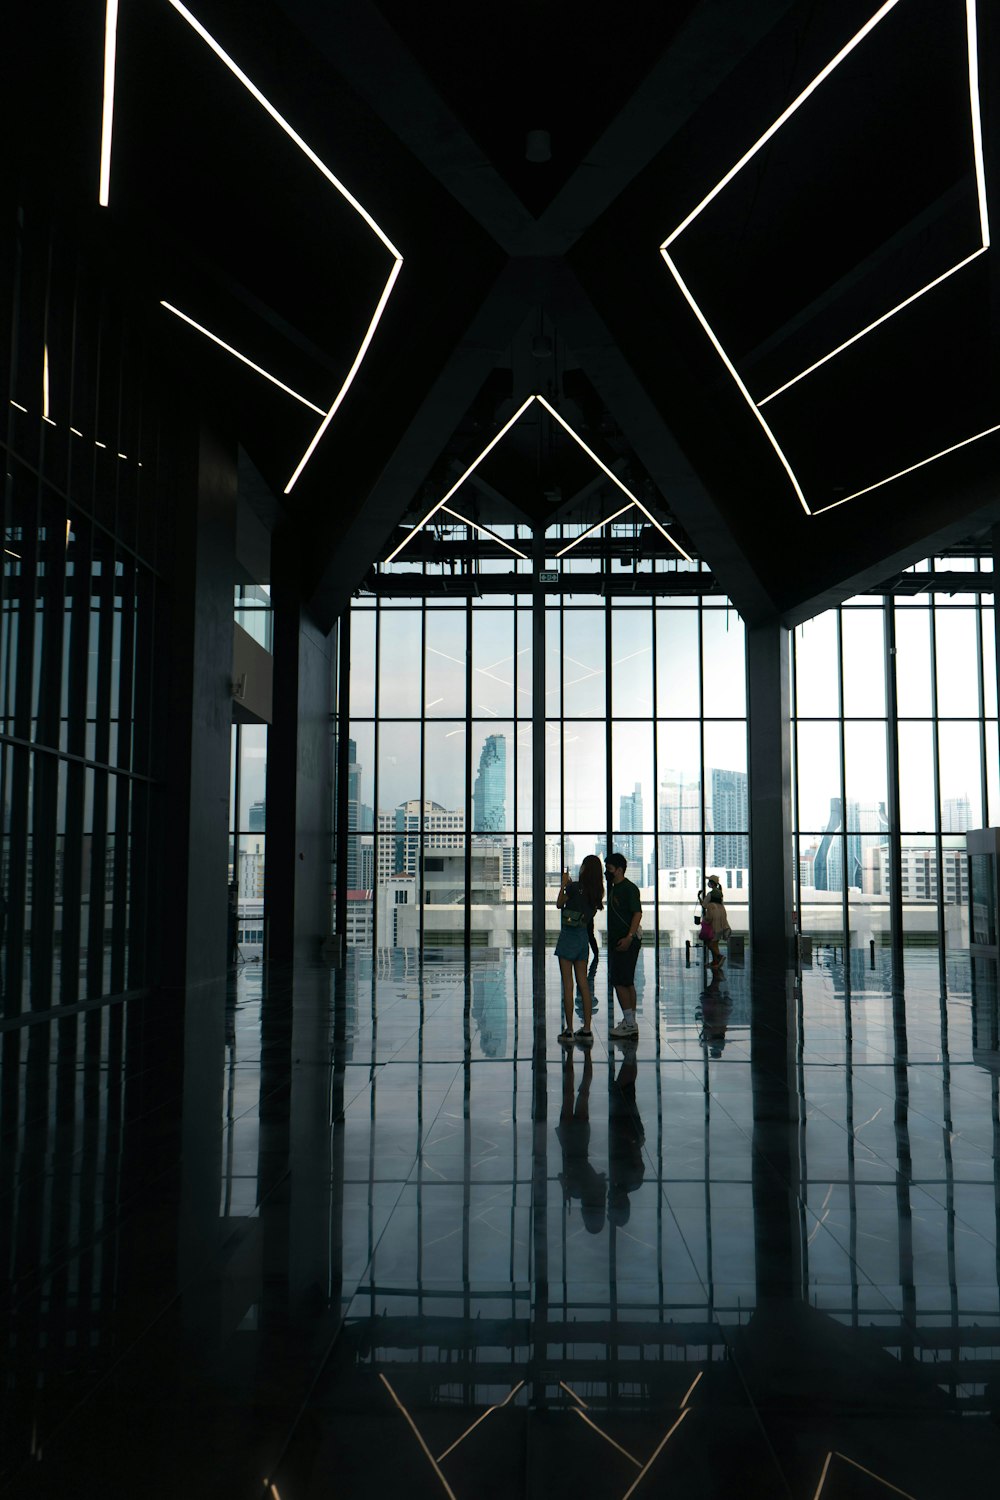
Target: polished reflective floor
point(359, 1231)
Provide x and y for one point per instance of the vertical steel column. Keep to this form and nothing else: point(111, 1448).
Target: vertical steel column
point(538, 773)
point(467, 927)
point(341, 810)
point(892, 777)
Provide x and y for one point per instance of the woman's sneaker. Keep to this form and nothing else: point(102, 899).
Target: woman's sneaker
point(566, 1037)
point(584, 1036)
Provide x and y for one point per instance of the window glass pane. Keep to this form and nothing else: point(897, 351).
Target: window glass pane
point(993, 773)
point(959, 769)
point(553, 778)
point(916, 777)
point(632, 784)
point(989, 664)
point(818, 760)
point(957, 662)
point(492, 777)
point(584, 759)
point(525, 766)
point(553, 660)
point(444, 767)
point(725, 663)
point(253, 777)
point(913, 662)
point(493, 662)
point(726, 797)
point(816, 668)
point(677, 671)
point(865, 761)
point(362, 662)
point(583, 663)
point(446, 660)
point(398, 766)
point(631, 662)
point(524, 664)
point(399, 664)
point(679, 801)
point(863, 645)
point(250, 874)
point(361, 777)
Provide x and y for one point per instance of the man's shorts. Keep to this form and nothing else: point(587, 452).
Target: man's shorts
point(623, 962)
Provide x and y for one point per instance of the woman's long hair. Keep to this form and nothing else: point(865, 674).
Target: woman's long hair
point(592, 881)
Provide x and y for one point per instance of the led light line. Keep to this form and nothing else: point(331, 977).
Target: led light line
point(349, 379)
point(591, 529)
point(108, 114)
point(613, 477)
point(633, 499)
point(977, 145)
point(481, 1418)
point(459, 482)
point(279, 119)
point(600, 1431)
point(786, 114)
point(972, 32)
point(736, 377)
point(258, 369)
point(922, 464)
point(883, 319)
point(486, 532)
point(638, 1480)
point(359, 208)
point(413, 1427)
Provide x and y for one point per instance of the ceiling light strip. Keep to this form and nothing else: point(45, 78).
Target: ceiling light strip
point(259, 369)
point(785, 115)
point(349, 379)
point(485, 531)
point(883, 319)
point(108, 113)
point(912, 468)
point(972, 32)
point(612, 476)
point(591, 529)
point(736, 377)
point(459, 482)
point(279, 119)
point(649, 1464)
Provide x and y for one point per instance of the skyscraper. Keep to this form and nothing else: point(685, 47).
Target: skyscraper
point(630, 818)
point(680, 821)
point(729, 812)
point(867, 827)
point(488, 796)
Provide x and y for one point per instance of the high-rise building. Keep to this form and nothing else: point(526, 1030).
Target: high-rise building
point(489, 793)
point(399, 844)
point(867, 827)
point(728, 813)
point(256, 817)
point(680, 821)
point(630, 819)
point(956, 815)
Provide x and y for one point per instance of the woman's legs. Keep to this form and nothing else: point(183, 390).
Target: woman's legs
point(566, 970)
point(581, 978)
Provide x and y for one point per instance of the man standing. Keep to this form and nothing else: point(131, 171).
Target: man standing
point(624, 921)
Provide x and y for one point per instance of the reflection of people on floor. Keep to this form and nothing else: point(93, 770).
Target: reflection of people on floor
point(626, 1161)
point(713, 1013)
point(578, 1178)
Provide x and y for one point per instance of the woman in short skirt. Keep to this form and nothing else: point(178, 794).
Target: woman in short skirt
point(578, 900)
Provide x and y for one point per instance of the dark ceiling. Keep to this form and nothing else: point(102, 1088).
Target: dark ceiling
point(522, 276)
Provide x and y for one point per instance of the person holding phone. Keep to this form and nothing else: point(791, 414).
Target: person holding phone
point(578, 900)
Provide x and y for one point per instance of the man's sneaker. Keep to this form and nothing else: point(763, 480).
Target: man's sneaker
point(623, 1032)
point(584, 1036)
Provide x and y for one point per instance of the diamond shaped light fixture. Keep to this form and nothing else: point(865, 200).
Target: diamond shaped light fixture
point(756, 404)
point(104, 194)
point(442, 504)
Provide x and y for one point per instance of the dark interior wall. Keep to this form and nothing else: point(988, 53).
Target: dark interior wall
point(199, 646)
point(299, 873)
point(770, 788)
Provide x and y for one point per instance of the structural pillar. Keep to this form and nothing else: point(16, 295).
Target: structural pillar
point(770, 787)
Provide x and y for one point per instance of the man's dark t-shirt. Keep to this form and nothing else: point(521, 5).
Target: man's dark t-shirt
point(623, 902)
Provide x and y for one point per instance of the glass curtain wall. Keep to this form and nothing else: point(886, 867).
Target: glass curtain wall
point(644, 726)
point(938, 763)
point(646, 735)
point(84, 518)
point(439, 822)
